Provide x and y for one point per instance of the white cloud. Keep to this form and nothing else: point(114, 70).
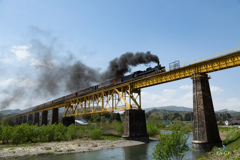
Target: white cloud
point(186, 87)
point(6, 60)
point(21, 51)
point(167, 98)
point(216, 90)
point(230, 103)
point(169, 92)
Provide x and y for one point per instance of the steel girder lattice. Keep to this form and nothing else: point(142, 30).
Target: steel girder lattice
point(109, 100)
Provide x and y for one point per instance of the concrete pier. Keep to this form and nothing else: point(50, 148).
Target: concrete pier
point(54, 116)
point(36, 119)
point(135, 126)
point(205, 130)
point(44, 118)
point(67, 121)
point(30, 119)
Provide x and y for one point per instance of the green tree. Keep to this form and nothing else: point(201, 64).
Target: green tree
point(24, 133)
point(171, 146)
point(8, 122)
point(152, 130)
point(59, 131)
point(120, 129)
point(221, 122)
point(96, 133)
point(6, 133)
point(0, 132)
point(72, 132)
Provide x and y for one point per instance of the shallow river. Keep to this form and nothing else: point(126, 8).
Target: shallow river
point(141, 152)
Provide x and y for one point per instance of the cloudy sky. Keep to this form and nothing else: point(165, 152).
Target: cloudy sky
point(44, 38)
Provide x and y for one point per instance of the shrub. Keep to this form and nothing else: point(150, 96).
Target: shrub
point(0, 133)
point(171, 146)
point(152, 130)
point(59, 131)
point(19, 135)
point(46, 133)
point(6, 133)
point(96, 133)
point(72, 132)
point(161, 125)
point(8, 122)
point(120, 129)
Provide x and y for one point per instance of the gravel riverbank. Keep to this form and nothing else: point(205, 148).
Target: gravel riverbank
point(75, 146)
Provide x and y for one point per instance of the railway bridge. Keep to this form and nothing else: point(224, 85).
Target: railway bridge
point(127, 96)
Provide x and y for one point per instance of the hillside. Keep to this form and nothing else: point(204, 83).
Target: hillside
point(170, 108)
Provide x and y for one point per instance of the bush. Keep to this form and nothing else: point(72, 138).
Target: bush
point(23, 134)
point(8, 122)
point(120, 129)
point(161, 125)
point(72, 132)
point(171, 146)
point(178, 126)
point(152, 130)
point(46, 133)
point(221, 122)
point(6, 133)
point(0, 133)
point(96, 133)
point(59, 131)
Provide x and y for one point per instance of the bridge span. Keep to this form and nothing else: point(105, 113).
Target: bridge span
point(127, 96)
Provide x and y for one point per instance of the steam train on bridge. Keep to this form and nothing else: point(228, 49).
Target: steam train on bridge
point(137, 74)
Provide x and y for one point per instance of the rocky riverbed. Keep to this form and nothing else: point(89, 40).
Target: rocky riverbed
point(75, 146)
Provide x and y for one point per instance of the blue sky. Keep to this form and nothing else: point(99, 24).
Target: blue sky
point(95, 32)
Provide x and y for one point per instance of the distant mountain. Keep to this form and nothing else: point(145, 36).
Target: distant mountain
point(170, 108)
point(9, 112)
point(224, 111)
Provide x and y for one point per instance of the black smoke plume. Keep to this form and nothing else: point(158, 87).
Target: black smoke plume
point(56, 74)
point(119, 66)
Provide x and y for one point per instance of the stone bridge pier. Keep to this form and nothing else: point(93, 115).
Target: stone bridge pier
point(54, 118)
point(30, 119)
point(205, 129)
point(135, 126)
point(44, 118)
point(36, 118)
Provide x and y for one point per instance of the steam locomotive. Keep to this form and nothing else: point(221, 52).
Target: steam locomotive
point(135, 75)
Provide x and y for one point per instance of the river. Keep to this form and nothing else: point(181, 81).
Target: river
point(141, 152)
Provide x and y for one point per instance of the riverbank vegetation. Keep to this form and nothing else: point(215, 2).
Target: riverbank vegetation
point(25, 133)
point(231, 142)
point(171, 146)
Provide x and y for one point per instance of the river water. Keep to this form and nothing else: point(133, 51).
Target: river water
point(141, 152)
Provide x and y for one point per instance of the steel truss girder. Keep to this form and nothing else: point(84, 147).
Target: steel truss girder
point(109, 100)
point(207, 66)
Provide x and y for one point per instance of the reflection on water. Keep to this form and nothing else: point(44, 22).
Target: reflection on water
point(141, 152)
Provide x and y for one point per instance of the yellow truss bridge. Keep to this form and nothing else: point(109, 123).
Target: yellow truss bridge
point(127, 95)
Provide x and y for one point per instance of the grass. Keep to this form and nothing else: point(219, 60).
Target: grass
point(231, 141)
point(48, 148)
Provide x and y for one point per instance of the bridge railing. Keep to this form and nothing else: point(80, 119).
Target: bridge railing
point(225, 52)
point(215, 55)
